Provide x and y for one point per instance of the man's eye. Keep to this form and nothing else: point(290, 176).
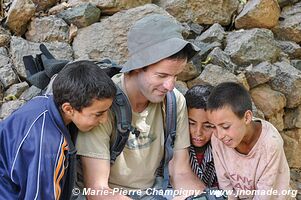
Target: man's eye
point(226, 127)
point(161, 75)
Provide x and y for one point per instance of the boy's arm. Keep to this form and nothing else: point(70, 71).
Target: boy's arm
point(96, 177)
point(29, 172)
point(181, 174)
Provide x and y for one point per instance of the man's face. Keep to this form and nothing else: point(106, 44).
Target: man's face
point(159, 78)
point(199, 127)
point(93, 115)
point(228, 128)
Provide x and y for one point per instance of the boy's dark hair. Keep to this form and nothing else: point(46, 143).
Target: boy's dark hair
point(230, 94)
point(80, 82)
point(197, 96)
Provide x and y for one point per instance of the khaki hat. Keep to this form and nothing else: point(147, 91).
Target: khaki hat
point(153, 38)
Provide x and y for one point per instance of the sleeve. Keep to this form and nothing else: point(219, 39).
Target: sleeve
point(182, 135)
point(276, 174)
point(7, 187)
point(31, 162)
point(96, 143)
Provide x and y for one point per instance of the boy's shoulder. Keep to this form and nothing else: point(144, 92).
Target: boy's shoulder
point(270, 136)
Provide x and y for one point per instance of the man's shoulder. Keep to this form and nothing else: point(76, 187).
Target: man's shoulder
point(179, 97)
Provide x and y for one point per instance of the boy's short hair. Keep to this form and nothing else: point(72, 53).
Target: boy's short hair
point(197, 96)
point(80, 82)
point(230, 94)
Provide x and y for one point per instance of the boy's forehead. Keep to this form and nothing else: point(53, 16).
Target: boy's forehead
point(222, 113)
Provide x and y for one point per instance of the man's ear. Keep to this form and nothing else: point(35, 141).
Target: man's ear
point(67, 109)
point(248, 116)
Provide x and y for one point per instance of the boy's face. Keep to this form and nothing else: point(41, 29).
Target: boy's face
point(93, 115)
point(228, 128)
point(159, 78)
point(199, 127)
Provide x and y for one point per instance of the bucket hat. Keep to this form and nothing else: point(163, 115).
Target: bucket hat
point(154, 38)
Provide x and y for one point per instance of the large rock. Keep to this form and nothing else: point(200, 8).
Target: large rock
point(296, 64)
point(20, 47)
point(292, 147)
point(4, 36)
point(292, 49)
point(201, 11)
point(43, 5)
point(19, 16)
point(205, 49)
point(48, 29)
point(214, 75)
point(260, 74)
point(29, 93)
point(82, 15)
point(277, 120)
point(4, 60)
point(190, 72)
point(10, 106)
point(283, 3)
point(215, 33)
point(111, 6)
point(108, 38)
point(258, 14)
point(292, 118)
point(16, 89)
point(252, 46)
point(288, 82)
point(7, 75)
point(218, 57)
point(289, 27)
point(267, 100)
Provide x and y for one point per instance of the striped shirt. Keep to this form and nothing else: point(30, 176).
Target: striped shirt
point(205, 171)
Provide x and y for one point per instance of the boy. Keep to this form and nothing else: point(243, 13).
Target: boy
point(248, 153)
point(37, 141)
point(200, 151)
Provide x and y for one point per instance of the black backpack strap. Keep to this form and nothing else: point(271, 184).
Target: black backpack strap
point(69, 182)
point(123, 114)
point(46, 52)
point(109, 67)
point(40, 69)
point(170, 134)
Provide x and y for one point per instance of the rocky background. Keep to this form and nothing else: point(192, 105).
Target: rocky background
point(255, 42)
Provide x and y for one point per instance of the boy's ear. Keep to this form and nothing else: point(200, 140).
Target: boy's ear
point(67, 109)
point(248, 116)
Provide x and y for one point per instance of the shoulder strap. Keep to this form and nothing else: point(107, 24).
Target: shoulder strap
point(123, 114)
point(170, 134)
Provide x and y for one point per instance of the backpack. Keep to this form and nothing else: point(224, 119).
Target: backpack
point(44, 66)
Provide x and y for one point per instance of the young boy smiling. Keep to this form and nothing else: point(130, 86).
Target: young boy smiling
point(248, 153)
point(200, 151)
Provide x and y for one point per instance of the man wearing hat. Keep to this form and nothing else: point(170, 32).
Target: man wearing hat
point(158, 54)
